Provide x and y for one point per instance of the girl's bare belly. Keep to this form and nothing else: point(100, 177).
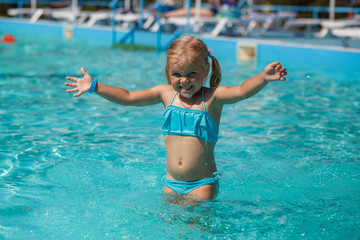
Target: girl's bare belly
point(189, 158)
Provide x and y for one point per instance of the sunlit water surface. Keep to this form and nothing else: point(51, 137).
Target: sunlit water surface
point(84, 168)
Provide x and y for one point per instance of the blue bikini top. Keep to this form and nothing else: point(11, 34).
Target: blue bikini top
point(190, 122)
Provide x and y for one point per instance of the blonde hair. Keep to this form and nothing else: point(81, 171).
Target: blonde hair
point(192, 48)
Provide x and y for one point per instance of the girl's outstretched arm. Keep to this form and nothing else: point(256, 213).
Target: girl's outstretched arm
point(115, 94)
point(229, 95)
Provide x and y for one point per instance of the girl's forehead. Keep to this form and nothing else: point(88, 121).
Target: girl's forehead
point(183, 63)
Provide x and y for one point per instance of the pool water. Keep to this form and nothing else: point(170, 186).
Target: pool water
point(84, 168)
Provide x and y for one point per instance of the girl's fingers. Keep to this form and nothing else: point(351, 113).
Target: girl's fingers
point(273, 64)
point(72, 79)
point(71, 84)
point(78, 94)
point(82, 70)
point(72, 90)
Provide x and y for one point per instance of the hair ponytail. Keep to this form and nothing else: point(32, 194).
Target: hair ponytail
point(215, 77)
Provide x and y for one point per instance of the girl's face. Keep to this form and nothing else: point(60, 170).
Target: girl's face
point(187, 77)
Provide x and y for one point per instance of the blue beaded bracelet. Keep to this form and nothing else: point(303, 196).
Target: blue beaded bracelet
point(93, 85)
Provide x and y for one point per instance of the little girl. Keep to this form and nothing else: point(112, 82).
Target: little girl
point(192, 112)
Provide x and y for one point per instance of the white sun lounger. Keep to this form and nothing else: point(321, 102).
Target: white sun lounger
point(195, 23)
point(107, 15)
point(68, 13)
point(347, 32)
point(244, 24)
point(98, 16)
point(329, 27)
point(247, 23)
point(308, 23)
point(33, 14)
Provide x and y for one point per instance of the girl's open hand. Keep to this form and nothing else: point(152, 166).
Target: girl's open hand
point(80, 85)
point(274, 72)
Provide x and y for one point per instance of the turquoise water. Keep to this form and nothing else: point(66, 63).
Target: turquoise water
point(84, 168)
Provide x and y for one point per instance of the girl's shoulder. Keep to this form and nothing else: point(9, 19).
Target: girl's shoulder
point(220, 91)
point(210, 93)
point(167, 92)
point(163, 89)
point(216, 95)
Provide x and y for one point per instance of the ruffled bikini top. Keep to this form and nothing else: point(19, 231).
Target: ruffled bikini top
point(190, 122)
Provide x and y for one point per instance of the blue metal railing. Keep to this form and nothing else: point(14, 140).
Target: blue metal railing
point(188, 6)
point(160, 48)
point(158, 8)
point(141, 12)
point(130, 34)
point(113, 6)
point(175, 36)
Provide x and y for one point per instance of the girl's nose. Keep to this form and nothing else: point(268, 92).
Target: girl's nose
point(184, 79)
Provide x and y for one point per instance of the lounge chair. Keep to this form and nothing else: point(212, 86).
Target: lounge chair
point(32, 13)
point(69, 13)
point(353, 32)
point(124, 18)
point(308, 23)
point(197, 24)
point(329, 27)
point(100, 15)
point(247, 24)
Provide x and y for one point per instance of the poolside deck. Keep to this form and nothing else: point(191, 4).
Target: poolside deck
point(280, 45)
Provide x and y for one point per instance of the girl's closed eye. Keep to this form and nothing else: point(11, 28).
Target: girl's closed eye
point(176, 74)
point(192, 74)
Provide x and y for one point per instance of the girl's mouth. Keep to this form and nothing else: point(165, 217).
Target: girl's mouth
point(187, 88)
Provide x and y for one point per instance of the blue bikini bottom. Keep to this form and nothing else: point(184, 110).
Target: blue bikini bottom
point(186, 187)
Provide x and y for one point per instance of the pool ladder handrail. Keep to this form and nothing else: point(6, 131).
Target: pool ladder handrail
point(131, 33)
